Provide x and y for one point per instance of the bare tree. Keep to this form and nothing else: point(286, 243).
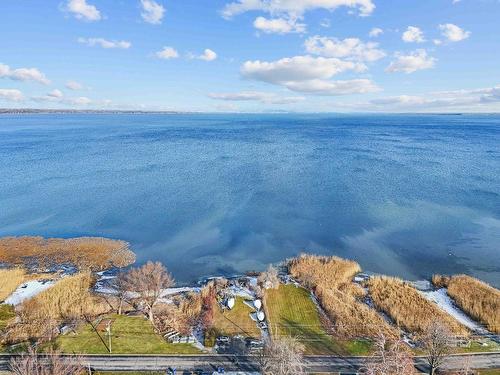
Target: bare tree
point(120, 284)
point(436, 345)
point(390, 358)
point(282, 357)
point(51, 364)
point(146, 283)
point(269, 279)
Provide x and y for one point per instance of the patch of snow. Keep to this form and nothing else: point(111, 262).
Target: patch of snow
point(445, 303)
point(28, 290)
point(241, 292)
point(173, 291)
point(422, 285)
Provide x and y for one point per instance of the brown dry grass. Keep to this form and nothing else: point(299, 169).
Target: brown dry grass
point(314, 270)
point(10, 279)
point(408, 308)
point(478, 299)
point(330, 279)
point(94, 253)
point(68, 300)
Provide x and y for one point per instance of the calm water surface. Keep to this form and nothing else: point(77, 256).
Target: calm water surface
point(220, 194)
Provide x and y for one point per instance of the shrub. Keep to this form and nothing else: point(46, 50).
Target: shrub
point(408, 308)
point(269, 279)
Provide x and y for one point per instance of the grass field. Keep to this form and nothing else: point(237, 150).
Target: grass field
point(291, 312)
point(476, 347)
point(6, 314)
point(130, 335)
point(232, 322)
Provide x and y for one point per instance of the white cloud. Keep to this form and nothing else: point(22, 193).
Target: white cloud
point(437, 42)
point(350, 48)
point(413, 35)
point(23, 74)
point(294, 8)
point(467, 99)
point(167, 53)
point(104, 43)
point(297, 68)
point(334, 88)
point(11, 95)
point(152, 12)
point(56, 94)
point(453, 33)
point(308, 74)
point(325, 23)
point(207, 55)
point(83, 11)
point(375, 32)
point(278, 25)
point(486, 100)
point(417, 60)
point(73, 85)
point(82, 100)
point(263, 97)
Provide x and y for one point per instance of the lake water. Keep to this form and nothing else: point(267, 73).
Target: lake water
point(221, 194)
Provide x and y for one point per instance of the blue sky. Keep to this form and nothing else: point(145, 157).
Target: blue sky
point(251, 55)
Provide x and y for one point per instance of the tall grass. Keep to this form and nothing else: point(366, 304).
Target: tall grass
point(407, 307)
point(330, 279)
point(94, 253)
point(69, 300)
point(10, 279)
point(313, 270)
point(478, 299)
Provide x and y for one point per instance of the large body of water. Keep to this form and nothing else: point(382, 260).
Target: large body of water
point(220, 194)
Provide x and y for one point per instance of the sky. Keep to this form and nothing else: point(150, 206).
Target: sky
point(251, 55)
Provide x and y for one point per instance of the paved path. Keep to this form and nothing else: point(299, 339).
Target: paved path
point(210, 363)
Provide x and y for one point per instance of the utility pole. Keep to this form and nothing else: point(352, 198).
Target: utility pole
point(108, 331)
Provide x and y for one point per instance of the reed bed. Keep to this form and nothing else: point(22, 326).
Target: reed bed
point(10, 279)
point(330, 278)
point(69, 300)
point(95, 253)
point(478, 299)
point(408, 308)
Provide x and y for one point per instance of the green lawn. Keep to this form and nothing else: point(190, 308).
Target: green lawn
point(130, 335)
point(6, 314)
point(489, 372)
point(232, 322)
point(291, 312)
point(476, 347)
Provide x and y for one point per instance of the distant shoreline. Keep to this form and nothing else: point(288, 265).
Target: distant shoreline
point(172, 112)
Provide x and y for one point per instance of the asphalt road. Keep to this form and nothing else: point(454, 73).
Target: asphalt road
point(210, 363)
